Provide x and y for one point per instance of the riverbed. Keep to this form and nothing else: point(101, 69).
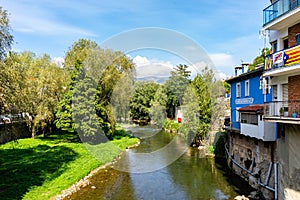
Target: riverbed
point(161, 167)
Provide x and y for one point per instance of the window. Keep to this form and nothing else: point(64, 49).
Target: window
point(266, 84)
point(274, 92)
point(249, 118)
point(237, 115)
point(238, 90)
point(298, 39)
point(247, 88)
point(285, 43)
point(274, 46)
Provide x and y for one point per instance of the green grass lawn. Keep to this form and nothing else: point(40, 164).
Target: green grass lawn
point(43, 167)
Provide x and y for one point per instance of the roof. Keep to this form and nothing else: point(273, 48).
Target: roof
point(252, 108)
point(245, 76)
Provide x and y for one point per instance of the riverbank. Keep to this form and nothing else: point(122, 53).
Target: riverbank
point(43, 167)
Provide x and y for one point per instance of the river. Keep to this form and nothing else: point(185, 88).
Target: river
point(191, 176)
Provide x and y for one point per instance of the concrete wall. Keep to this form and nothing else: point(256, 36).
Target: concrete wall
point(289, 161)
point(245, 150)
point(264, 130)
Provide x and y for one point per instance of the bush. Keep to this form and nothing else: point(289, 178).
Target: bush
point(210, 149)
point(171, 125)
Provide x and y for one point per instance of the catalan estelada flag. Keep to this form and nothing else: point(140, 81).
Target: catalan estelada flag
point(293, 55)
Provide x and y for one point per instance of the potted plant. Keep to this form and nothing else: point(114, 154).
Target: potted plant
point(281, 111)
point(294, 113)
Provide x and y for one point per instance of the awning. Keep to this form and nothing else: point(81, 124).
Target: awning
point(252, 108)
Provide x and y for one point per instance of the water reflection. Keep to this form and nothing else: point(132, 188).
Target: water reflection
point(190, 177)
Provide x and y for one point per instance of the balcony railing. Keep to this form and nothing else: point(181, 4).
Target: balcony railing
point(278, 8)
point(283, 58)
point(282, 109)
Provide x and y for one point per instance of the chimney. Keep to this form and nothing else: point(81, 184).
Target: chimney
point(237, 70)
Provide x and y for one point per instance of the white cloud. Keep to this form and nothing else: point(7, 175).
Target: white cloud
point(224, 64)
point(59, 61)
point(221, 76)
point(151, 68)
point(140, 61)
point(222, 59)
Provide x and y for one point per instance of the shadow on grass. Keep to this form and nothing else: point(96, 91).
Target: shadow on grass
point(62, 136)
point(21, 169)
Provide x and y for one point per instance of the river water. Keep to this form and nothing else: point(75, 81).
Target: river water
point(191, 176)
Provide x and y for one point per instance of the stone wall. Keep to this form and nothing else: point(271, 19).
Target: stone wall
point(12, 131)
point(289, 161)
point(256, 156)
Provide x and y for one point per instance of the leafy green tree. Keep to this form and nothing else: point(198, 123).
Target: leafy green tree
point(120, 97)
point(89, 65)
point(116, 66)
point(204, 106)
point(226, 87)
point(140, 102)
point(158, 106)
point(176, 85)
point(197, 110)
point(259, 59)
point(32, 84)
point(74, 59)
point(6, 39)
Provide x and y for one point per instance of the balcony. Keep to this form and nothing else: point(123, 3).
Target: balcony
point(283, 62)
point(278, 9)
point(282, 111)
point(263, 130)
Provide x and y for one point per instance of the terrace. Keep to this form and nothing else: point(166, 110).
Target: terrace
point(278, 9)
point(282, 111)
point(283, 62)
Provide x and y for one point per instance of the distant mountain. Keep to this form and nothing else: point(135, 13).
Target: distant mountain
point(157, 79)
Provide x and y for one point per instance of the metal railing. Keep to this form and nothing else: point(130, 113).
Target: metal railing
point(291, 58)
point(277, 9)
point(289, 108)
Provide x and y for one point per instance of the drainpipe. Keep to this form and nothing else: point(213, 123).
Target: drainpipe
point(269, 173)
point(276, 181)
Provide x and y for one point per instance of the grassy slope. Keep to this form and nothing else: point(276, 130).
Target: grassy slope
point(42, 168)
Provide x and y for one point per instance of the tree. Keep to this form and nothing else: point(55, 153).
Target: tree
point(6, 39)
point(115, 66)
point(158, 107)
point(74, 59)
point(140, 102)
point(176, 86)
point(204, 110)
point(120, 97)
point(197, 110)
point(34, 85)
point(89, 65)
point(259, 59)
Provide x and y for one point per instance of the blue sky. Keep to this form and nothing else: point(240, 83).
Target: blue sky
point(227, 30)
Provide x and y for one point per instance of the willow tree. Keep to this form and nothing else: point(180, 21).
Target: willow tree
point(33, 85)
point(94, 73)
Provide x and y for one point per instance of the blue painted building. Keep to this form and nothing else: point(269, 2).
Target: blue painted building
point(247, 89)
point(252, 141)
